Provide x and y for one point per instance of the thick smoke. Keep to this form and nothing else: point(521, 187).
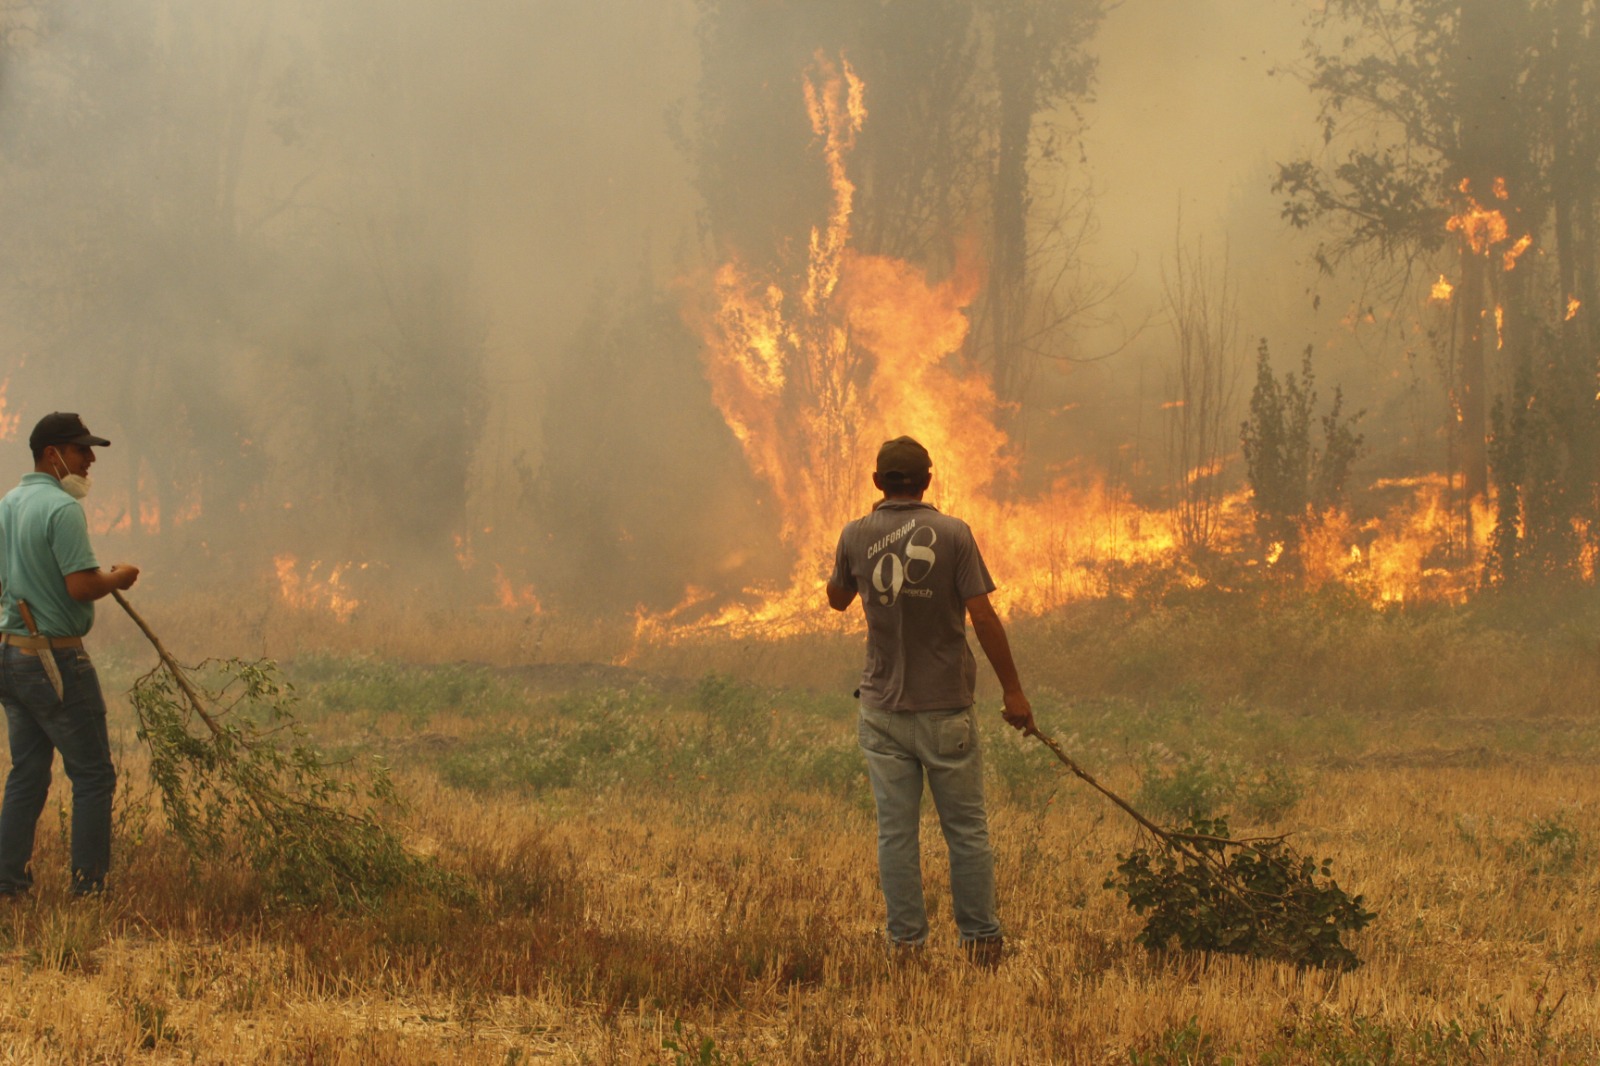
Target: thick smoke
point(311, 267)
point(400, 284)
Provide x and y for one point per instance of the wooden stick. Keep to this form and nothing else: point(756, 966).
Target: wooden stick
point(1176, 841)
point(172, 665)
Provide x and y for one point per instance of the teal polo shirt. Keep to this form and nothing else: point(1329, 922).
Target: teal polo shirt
point(44, 536)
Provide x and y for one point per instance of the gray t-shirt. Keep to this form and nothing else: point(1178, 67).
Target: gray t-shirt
point(915, 570)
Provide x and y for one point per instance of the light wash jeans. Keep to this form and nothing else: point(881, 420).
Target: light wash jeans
point(39, 725)
point(944, 744)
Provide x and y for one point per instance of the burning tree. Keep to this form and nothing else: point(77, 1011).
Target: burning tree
point(823, 369)
point(1293, 482)
point(844, 152)
point(1467, 129)
point(812, 366)
point(964, 103)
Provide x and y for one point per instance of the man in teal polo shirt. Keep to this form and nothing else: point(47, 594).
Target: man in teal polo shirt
point(49, 580)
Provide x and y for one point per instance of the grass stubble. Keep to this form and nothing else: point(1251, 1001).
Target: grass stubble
point(676, 865)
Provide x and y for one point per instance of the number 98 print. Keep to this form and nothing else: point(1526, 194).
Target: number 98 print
point(892, 574)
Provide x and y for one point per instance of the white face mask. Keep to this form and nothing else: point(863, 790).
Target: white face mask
point(76, 485)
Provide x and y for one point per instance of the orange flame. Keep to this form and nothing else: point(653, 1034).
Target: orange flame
point(1479, 227)
point(9, 422)
point(465, 557)
point(1200, 473)
point(113, 509)
point(1484, 228)
point(509, 597)
point(308, 592)
point(809, 386)
point(870, 347)
point(1574, 305)
point(1442, 290)
point(1408, 551)
point(837, 109)
point(868, 351)
point(1512, 254)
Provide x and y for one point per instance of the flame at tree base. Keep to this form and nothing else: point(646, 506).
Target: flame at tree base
point(1072, 544)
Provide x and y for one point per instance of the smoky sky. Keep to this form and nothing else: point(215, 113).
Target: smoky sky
point(228, 224)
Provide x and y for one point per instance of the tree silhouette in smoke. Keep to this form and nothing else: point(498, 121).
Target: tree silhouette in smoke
point(265, 296)
point(1463, 138)
point(640, 482)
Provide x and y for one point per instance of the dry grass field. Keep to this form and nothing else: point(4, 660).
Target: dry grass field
point(673, 860)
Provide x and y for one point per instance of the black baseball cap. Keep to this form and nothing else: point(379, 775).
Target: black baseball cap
point(903, 459)
point(63, 427)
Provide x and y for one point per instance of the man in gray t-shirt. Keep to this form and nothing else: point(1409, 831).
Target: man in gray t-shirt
point(920, 576)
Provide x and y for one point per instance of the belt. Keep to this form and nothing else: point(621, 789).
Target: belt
point(32, 644)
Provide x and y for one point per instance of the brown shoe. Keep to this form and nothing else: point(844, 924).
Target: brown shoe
point(985, 951)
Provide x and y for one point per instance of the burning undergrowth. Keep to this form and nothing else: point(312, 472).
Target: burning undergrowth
point(812, 366)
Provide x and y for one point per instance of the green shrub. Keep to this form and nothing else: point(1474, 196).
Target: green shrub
point(1025, 772)
point(1179, 1045)
point(1198, 786)
point(1268, 796)
point(835, 770)
point(630, 739)
point(735, 713)
point(1363, 1041)
point(1203, 785)
point(599, 749)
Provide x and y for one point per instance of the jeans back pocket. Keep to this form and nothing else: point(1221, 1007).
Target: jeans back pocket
point(953, 735)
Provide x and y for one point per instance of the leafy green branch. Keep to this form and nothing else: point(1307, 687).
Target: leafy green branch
point(1260, 898)
point(241, 782)
point(1210, 892)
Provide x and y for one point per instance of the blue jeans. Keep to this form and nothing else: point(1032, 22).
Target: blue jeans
point(944, 744)
point(40, 725)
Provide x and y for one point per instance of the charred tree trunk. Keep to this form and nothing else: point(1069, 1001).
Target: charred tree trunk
point(1491, 171)
point(1570, 94)
point(1576, 154)
point(1470, 409)
point(1017, 77)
